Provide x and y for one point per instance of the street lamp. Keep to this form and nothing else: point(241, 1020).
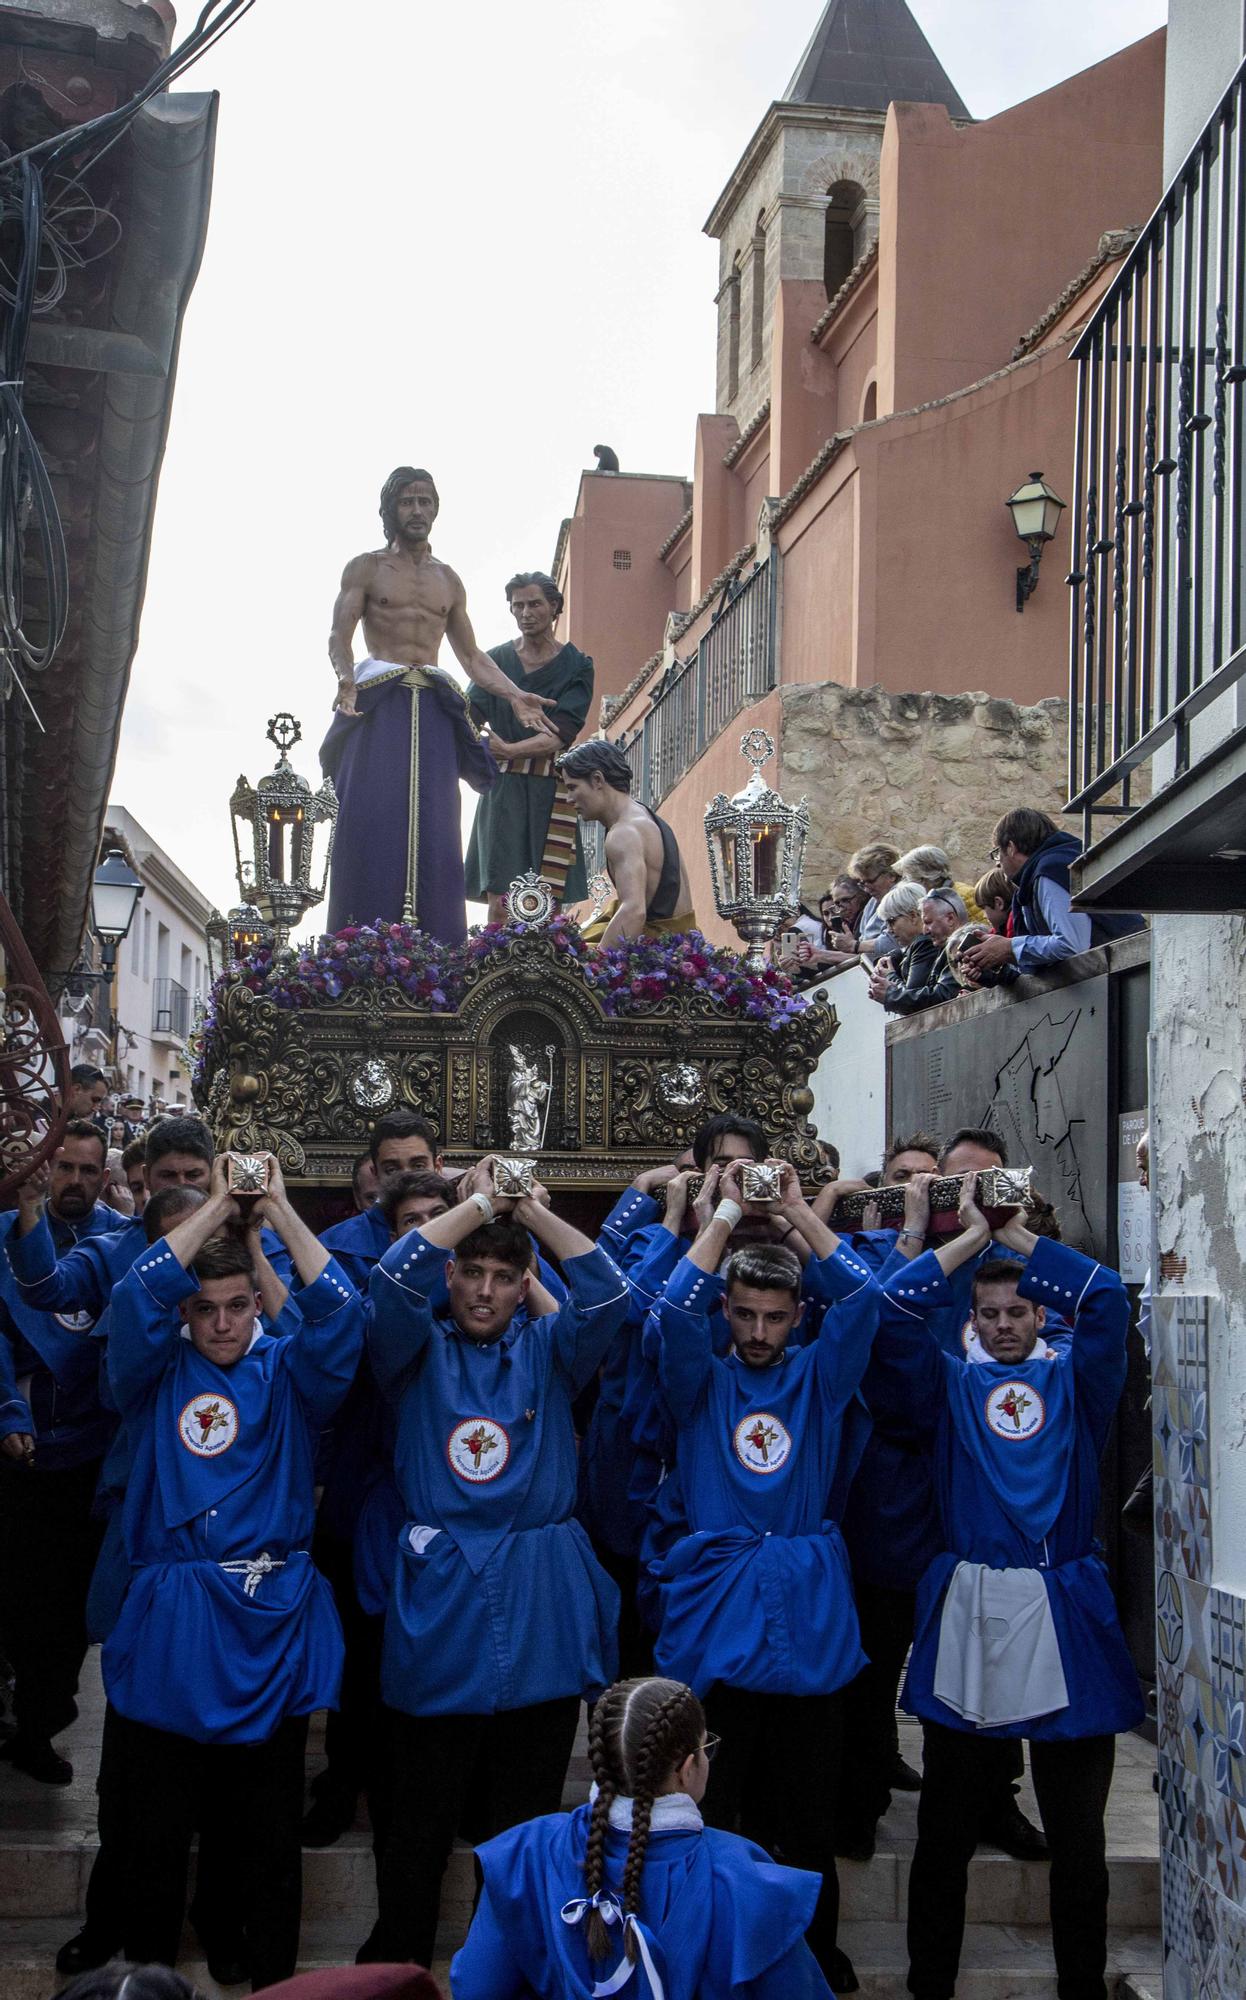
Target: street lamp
point(756, 845)
point(1036, 512)
point(115, 894)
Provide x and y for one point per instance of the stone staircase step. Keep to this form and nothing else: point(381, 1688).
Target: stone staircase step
point(999, 1962)
point(46, 1877)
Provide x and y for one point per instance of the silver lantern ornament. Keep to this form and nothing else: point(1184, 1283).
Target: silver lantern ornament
point(756, 846)
point(278, 819)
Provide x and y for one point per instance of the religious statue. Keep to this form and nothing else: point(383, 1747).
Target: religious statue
point(402, 735)
point(650, 883)
point(524, 823)
point(526, 1092)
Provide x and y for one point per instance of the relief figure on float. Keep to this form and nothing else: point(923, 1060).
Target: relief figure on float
point(647, 874)
point(402, 735)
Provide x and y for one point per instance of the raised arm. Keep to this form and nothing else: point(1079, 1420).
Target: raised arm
point(407, 1276)
point(1094, 1299)
point(598, 1302)
point(347, 611)
point(530, 708)
point(77, 1282)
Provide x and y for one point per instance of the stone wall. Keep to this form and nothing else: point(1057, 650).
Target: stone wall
point(915, 767)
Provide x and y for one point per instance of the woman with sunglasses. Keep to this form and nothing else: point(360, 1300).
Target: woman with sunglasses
point(632, 1893)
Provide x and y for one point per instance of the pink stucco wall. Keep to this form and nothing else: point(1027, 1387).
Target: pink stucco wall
point(618, 615)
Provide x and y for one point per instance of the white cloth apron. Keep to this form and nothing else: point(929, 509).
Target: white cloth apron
point(999, 1658)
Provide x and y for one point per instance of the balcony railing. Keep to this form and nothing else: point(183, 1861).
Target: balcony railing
point(170, 1009)
point(733, 665)
point(1158, 545)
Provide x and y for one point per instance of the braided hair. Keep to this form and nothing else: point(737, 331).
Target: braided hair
point(641, 1731)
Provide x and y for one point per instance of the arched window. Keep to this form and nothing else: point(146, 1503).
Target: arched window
point(758, 292)
point(869, 408)
point(845, 233)
point(733, 333)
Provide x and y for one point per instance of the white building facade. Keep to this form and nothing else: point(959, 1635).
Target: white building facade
point(161, 980)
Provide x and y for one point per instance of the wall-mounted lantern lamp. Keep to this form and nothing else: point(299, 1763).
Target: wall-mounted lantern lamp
point(115, 894)
point(1036, 512)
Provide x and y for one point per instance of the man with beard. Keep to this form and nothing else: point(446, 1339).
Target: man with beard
point(402, 736)
point(54, 1432)
point(525, 822)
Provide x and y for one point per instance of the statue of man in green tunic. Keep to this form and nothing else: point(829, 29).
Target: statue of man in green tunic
point(524, 821)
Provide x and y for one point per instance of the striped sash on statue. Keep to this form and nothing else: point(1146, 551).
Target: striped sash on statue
point(559, 851)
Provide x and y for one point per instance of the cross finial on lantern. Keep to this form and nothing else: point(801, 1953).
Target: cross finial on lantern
point(757, 745)
point(284, 730)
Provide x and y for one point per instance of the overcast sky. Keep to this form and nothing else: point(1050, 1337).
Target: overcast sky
point(467, 237)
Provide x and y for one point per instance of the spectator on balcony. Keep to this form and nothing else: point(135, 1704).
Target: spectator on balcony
point(874, 867)
point(993, 892)
point(1036, 857)
point(942, 914)
point(831, 940)
point(930, 867)
point(907, 967)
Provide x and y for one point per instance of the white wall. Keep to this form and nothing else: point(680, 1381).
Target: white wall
point(849, 1084)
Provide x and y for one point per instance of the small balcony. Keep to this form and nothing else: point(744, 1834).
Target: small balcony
point(170, 1011)
point(1157, 765)
point(735, 663)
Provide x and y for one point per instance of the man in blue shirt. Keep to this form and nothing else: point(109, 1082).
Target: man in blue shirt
point(54, 1432)
point(1044, 927)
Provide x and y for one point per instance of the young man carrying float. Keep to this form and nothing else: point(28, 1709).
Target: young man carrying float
point(756, 1597)
point(1017, 1633)
point(500, 1619)
point(227, 1639)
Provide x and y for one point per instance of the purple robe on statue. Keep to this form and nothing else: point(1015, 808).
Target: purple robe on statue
point(398, 848)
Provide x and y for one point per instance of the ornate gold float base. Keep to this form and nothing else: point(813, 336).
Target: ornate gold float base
point(628, 1091)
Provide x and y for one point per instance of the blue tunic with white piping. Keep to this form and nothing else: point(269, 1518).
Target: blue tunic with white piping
point(227, 1627)
point(721, 1920)
point(498, 1601)
point(54, 1357)
point(757, 1593)
point(1016, 1457)
point(358, 1244)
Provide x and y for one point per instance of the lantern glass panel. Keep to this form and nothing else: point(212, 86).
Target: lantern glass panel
point(768, 845)
point(726, 857)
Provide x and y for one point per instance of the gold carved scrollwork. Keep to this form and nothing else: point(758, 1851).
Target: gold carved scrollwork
point(307, 1083)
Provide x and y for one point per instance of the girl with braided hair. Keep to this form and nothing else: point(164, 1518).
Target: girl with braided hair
point(633, 1893)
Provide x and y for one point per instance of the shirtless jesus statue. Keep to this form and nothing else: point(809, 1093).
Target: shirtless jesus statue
point(402, 735)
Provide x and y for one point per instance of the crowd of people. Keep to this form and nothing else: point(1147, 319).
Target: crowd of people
point(454, 1468)
point(897, 914)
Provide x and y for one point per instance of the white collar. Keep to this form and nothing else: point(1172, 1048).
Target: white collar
point(672, 1812)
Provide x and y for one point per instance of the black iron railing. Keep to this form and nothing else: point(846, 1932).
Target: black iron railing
point(734, 664)
point(170, 1008)
point(1157, 576)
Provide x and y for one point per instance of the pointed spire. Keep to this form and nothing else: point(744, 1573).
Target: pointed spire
point(866, 53)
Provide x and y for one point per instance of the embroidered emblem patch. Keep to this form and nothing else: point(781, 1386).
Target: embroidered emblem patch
point(1015, 1411)
point(79, 1322)
point(478, 1450)
point(762, 1443)
point(208, 1425)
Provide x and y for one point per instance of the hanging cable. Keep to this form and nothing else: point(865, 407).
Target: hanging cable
point(49, 219)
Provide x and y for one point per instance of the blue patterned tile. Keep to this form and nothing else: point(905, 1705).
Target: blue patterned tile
point(1231, 1928)
point(1174, 1818)
point(1226, 1617)
point(1175, 1900)
point(1203, 1926)
point(1169, 1619)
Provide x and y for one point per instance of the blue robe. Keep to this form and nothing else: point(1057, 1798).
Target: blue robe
point(757, 1594)
point(486, 1464)
point(59, 1353)
point(211, 1642)
point(1019, 1494)
point(726, 1922)
point(405, 751)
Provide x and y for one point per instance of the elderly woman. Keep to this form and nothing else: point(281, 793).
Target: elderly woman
point(895, 976)
point(930, 868)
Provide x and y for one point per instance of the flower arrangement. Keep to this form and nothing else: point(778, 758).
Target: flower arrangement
point(630, 978)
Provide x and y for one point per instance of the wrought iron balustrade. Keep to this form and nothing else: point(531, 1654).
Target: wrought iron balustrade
point(734, 664)
point(170, 1008)
point(1157, 516)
